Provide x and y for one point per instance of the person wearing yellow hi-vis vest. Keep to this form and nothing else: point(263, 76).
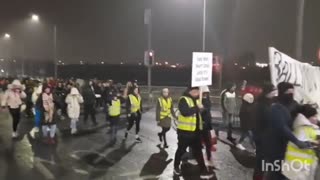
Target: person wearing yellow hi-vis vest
point(114, 111)
point(301, 164)
point(134, 109)
point(189, 130)
point(164, 114)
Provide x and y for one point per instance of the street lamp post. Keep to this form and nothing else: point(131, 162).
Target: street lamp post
point(204, 23)
point(55, 51)
point(148, 22)
point(36, 18)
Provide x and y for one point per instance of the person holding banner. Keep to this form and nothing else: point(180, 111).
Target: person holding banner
point(189, 130)
point(279, 130)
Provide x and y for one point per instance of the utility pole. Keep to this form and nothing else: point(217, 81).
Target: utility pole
point(55, 51)
point(204, 23)
point(148, 22)
point(299, 35)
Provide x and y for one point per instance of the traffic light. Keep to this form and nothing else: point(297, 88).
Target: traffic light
point(216, 65)
point(149, 58)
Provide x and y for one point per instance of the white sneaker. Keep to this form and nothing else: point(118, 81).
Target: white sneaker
point(240, 146)
point(14, 134)
point(193, 162)
point(73, 131)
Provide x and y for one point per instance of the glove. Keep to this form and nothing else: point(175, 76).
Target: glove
point(304, 145)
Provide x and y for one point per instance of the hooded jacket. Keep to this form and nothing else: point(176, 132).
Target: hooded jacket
point(278, 132)
point(73, 100)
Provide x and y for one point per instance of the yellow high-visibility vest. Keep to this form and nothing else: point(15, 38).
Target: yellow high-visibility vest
point(115, 108)
point(166, 106)
point(135, 103)
point(305, 156)
point(189, 123)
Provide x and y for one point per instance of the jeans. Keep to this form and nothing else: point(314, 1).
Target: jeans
point(73, 124)
point(37, 118)
point(227, 123)
point(51, 128)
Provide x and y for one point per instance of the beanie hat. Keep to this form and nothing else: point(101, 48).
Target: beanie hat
point(190, 88)
point(283, 87)
point(308, 111)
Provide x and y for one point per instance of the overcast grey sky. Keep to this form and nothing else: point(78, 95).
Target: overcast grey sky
point(113, 30)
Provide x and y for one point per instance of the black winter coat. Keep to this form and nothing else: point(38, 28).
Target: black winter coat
point(88, 95)
point(247, 116)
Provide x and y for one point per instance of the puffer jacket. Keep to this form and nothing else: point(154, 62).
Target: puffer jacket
point(73, 100)
point(13, 99)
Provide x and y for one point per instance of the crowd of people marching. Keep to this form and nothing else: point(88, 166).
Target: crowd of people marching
point(280, 130)
point(48, 100)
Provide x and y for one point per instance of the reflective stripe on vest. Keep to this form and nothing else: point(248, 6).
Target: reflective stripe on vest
point(189, 123)
point(115, 108)
point(165, 107)
point(307, 156)
point(135, 103)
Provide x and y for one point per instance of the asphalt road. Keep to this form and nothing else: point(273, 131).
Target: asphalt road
point(89, 155)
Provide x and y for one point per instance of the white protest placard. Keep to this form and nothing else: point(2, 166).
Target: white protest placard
point(305, 77)
point(201, 69)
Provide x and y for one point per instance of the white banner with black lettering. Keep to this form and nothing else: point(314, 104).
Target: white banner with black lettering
point(305, 77)
point(201, 69)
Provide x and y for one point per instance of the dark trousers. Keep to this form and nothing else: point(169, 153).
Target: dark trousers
point(99, 102)
point(114, 121)
point(227, 124)
point(258, 169)
point(90, 110)
point(28, 111)
point(163, 134)
point(192, 140)
point(206, 137)
point(134, 118)
point(15, 113)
